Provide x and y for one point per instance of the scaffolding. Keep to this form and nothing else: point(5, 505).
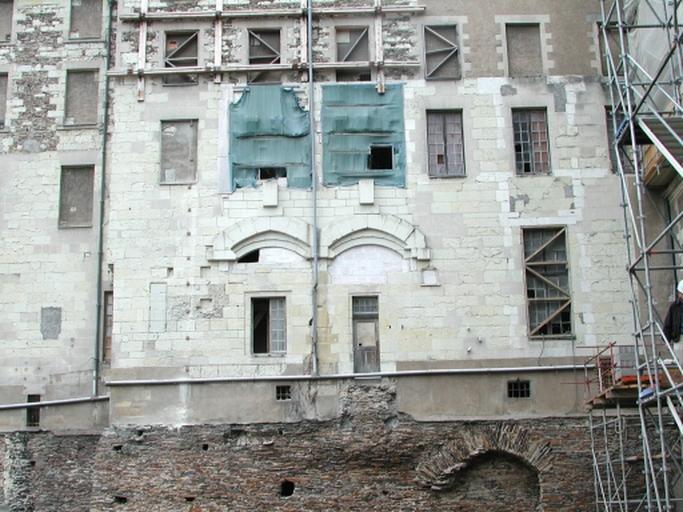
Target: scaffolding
point(635, 402)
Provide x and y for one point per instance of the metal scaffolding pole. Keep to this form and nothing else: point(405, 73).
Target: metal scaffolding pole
point(642, 46)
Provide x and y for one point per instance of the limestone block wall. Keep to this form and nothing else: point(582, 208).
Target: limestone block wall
point(47, 274)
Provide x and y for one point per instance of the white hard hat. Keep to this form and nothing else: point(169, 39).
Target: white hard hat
point(680, 286)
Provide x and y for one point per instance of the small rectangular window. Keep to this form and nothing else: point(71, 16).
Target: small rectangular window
point(524, 49)
point(81, 97)
point(178, 152)
point(268, 325)
point(441, 52)
point(269, 173)
point(519, 389)
point(352, 46)
point(264, 49)
point(531, 141)
point(4, 83)
point(33, 413)
point(381, 157)
point(86, 19)
point(547, 282)
point(182, 51)
point(6, 16)
point(445, 140)
point(283, 393)
point(108, 326)
point(76, 196)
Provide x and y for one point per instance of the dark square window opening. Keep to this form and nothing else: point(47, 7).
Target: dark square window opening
point(269, 173)
point(33, 413)
point(283, 393)
point(381, 157)
point(519, 389)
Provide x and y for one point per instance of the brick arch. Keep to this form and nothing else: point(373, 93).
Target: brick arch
point(250, 234)
point(387, 231)
point(440, 470)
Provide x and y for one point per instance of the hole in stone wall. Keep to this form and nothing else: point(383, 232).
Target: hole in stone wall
point(250, 257)
point(286, 488)
point(189, 499)
point(205, 447)
point(117, 447)
point(32, 463)
point(169, 271)
point(120, 499)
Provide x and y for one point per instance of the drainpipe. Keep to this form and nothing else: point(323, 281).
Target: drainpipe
point(100, 231)
point(314, 178)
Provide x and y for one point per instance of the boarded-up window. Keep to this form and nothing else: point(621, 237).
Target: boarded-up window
point(3, 100)
point(33, 413)
point(531, 141)
point(524, 49)
point(264, 49)
point(108, 326)
point(178, 152)
point(6, 15)
point(76, 196)
point(181, 52)
point(352, 46)
point(157, 307)
point(81, 97)
point(547, 281)
point(441, 52)
point(444, 136)
point(86, 19)
point(268, 325)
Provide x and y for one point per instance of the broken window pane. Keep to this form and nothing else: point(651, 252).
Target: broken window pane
point(86, 19)
point(547, 281)
point(531, 141)
point(4, 82)
point(81, 97)
point(178, 152)
point(442, 60)
point(76, 196)
point(264, 49)
point(381, 157)
point(352, 46)
point(181, 52)
point(6, 15)
point(445, 141)
point(33, 413)
point(268, 325)
point(524, 49)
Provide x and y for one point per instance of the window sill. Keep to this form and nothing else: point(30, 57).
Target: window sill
point(556, 337)
point(456, 177)
point(278, 355)
point(177, 183)
point(81, 40)
point(71, 127)
point(74, 226)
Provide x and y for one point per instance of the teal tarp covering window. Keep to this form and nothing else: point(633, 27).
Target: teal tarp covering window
point(268, 129)
point(363, 134)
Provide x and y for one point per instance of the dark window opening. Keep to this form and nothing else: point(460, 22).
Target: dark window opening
point(519, 389)
point(205, 447)
point(283, 393)
point(181, 52)
point(120, 499)
point(268, 325)
point(286, 488)
point(189, 499)
point(33, 413)
point(250, 257)
point(381, 157)
point(269, 173)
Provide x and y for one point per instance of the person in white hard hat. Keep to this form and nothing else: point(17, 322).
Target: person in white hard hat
point(674, 316)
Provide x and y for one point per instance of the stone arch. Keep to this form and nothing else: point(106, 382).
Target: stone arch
point(250, 234)
point(387, 231)
point(440, 471)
